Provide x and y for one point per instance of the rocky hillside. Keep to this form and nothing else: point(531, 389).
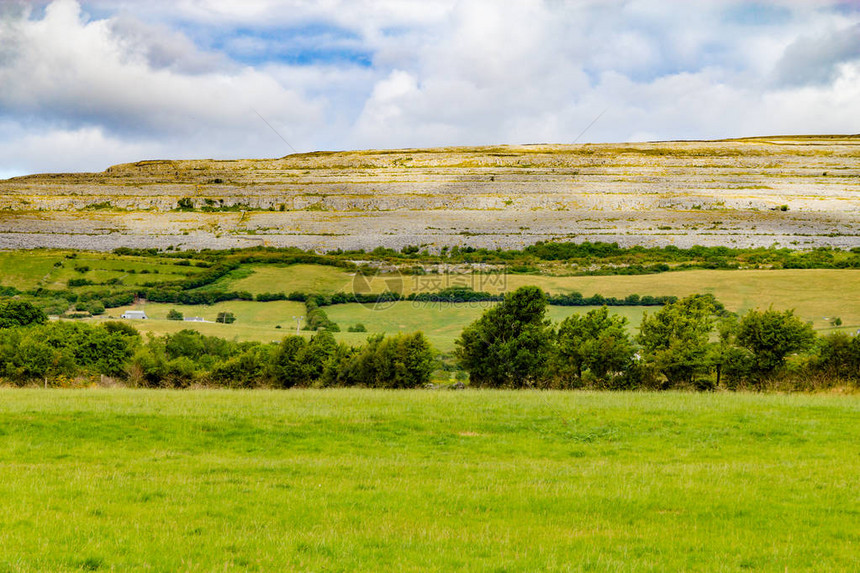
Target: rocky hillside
point(796, 192)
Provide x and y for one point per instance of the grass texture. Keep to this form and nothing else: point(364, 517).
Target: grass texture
point(347, 480)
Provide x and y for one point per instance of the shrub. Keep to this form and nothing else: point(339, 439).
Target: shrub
point(596, 342)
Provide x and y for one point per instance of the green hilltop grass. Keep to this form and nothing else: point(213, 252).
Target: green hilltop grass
point(358, 480)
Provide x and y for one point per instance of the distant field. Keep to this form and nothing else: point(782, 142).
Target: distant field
point(255, 321)
point(258, 320)
point(351, 480)
point(51, 269)
point(814, 294)
point(320, 279)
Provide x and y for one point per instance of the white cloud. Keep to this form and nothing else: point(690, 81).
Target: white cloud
point(66, 75)
point(183, 78)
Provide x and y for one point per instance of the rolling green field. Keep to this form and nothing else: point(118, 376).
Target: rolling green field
point(257, 321)
point(345, 480)
point(51, 269)
point(814, 294)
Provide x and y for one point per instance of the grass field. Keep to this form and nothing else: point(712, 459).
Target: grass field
point(443, 323)
point(349, 480)
point(52, 269)
point(814, 294)
point(320, 279)
point(257, 320)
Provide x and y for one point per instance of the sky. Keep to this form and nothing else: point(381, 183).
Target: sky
point(88, 84)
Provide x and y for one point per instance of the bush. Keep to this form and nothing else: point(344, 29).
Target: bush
point(400, 361)
point(174, 314)
point(597, 343)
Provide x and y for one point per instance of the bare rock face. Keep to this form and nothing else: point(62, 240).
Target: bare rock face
point(796, 192)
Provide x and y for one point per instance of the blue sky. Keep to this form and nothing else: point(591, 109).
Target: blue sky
point(86, 84)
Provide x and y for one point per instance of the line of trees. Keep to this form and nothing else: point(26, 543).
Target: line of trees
point(33, 349)
point(689, 343)
point(693, 342)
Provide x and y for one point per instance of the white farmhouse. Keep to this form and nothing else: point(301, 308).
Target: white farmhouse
point(134, 315)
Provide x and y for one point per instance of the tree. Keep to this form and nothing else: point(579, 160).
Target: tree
point(174, 314)
point(226, 318)
point(771, 336)
point(674, 340)
point(731, 363)
point(838, 355)
point(597, 342)
point(20, 313)
point(286, 365)
point(510, 345)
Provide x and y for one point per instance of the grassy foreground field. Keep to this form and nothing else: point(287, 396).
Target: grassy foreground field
point(427, 481)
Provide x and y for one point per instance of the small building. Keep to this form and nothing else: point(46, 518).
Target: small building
point(193, 319)
point(134, 315)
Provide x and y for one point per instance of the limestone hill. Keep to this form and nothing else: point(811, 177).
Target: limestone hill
point(797, 192)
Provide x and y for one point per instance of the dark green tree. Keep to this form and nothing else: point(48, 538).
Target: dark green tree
point(286, 367)
point(838, 356)
point(15, 313)
point(510, 345)
point(596, 342)
point(674, 340)
point(226, 318)
point(771, 336)
point(174, 314)
point(731, 363)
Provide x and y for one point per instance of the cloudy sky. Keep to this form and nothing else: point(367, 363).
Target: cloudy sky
point(86, 84)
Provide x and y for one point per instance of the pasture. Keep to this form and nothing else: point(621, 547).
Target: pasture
point(813, 293)
point(348, 480)
point(51, 269)
point(258, 321)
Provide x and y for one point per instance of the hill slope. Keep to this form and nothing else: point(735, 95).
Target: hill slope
point(798, 192)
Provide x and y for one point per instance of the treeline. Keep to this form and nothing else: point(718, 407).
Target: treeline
point(54, 353)
point(689, 343)
point(612, 258)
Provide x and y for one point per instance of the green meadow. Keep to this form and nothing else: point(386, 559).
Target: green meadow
point(259, 321)
point(813, 293)
point(51, 269)
point(363, 480)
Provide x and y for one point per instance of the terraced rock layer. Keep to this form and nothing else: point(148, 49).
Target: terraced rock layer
point(797, 192)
